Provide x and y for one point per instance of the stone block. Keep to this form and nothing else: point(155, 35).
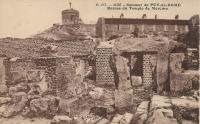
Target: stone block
point(160, 101)
point(123, 99)
point(136, 80)
point(4, 100)
point(176, 60)
point(182, 81)
point(126, 119)
point(61, 119)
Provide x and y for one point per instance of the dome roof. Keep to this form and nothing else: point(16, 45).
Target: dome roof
point(70, 11)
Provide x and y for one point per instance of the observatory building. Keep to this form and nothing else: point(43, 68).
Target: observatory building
point(70, 16)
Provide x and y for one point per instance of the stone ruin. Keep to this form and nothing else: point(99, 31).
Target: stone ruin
point(142, 67)
point(37, 86)
point(132, 75)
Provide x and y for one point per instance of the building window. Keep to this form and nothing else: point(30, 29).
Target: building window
point(186, 28)
point(176, 28)
point(165, 28)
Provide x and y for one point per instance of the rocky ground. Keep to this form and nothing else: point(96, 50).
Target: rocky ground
point(22, 120)
point(22, 107)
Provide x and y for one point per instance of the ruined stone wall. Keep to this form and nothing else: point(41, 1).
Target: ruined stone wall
point(181, 80)
point(54, 69)
point(74, 48)
point(2, 74)
point(88, 29)
point(17, 70)
point(65, 74)
point(149, 68)
point(104, 74)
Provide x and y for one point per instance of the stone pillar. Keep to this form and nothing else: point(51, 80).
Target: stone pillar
point(162, 70)
point(124, 92)
point(147, 71)
point(104, 74)
point(123, 73)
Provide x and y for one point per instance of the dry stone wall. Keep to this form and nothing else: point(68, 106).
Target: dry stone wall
point(30, 70)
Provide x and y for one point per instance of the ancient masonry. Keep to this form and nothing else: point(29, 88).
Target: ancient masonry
point(52, 67)
point(66, 69)
point(74, 48)
point(147, 69)
point(104, 73)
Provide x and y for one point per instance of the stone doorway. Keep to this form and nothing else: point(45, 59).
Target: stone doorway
point(143, 69)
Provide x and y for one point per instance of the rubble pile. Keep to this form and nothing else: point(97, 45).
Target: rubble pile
point(163, 109)
point(28, 101)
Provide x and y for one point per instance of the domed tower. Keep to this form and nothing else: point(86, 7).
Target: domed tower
point(70, 16)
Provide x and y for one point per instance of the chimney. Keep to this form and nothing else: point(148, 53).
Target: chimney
point(144, 16)
point(177, 17)
point(156, 16)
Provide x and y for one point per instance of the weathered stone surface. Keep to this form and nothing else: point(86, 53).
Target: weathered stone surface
point(160, 101)
point(182, 81)
point(104, 121)
point(61, 119)
point(123, 73)
point(2, 109)
point(185, 102)
point(45, 105)
point(96, 93)
point(110, 109)
point(141, 118)
point(70, 106)
point(123, 99)
point(19, 96)
point(159, 118)
point(20, 99)
point(3, 90)
point(92, 119)
point(99, 111)
point(176, 60)
point(183, 113)
point(167, 113)
point(116, 119)
point(8, 111)
point(4, 100)
point(34, 89)
point(22, 87)
point(39, 105)
point(136, 80)
point(142, 111)
point(126, 119)
point(149, 44)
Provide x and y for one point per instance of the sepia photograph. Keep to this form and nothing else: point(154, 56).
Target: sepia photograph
point(99, 61)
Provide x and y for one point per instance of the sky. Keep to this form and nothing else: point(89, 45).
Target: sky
point(23, 18)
